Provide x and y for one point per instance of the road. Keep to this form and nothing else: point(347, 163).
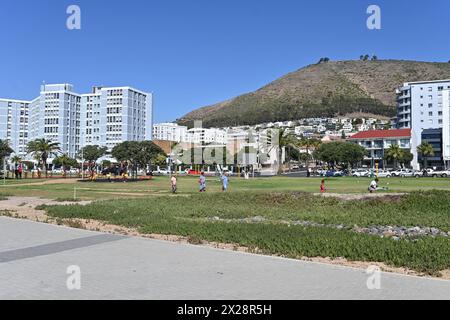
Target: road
point(34, 260)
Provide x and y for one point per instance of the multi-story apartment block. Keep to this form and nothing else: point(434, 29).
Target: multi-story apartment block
point(170, 132)
point(105, 117)
point(56, 117)
point(446, 127)
point(420, 107)
point(111, 115)
point(14, 122)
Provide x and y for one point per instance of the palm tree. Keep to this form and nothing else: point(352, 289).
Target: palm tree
point(426, 150)
point(16, 159)
point(285, 139)
point(5, 149)
point(42, 149)
point(308, 144)
point(394, 153)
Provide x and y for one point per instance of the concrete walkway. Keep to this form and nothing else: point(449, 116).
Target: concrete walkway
point(34, 259)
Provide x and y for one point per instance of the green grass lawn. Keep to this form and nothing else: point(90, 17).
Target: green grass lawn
point(280, 201)
point(199, 216)
point(188, 185)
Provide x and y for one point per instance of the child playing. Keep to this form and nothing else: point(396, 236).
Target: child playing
point(202, 182)
point(322, 187)
point(173, 183)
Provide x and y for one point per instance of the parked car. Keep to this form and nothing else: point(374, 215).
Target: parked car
point(330, 173)
point(339, 173)
point(161, 172)
point(420, 173)
point(321, 172)
point(384, 174)
point(74, 171)
point(403, 173)
point(441, 173)
point(361, 173)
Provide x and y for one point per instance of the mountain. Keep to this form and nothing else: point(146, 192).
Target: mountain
point(324, 89)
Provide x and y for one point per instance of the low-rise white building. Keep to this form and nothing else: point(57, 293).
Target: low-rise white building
point(204, 136)
point(170, 132)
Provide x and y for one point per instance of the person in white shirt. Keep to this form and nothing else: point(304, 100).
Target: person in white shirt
point(373, 186)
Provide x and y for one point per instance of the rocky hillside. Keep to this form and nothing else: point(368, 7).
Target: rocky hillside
point(325, 89)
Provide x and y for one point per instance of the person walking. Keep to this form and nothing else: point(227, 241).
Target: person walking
point(224, 179)
point(173, 184)
point(202, 182)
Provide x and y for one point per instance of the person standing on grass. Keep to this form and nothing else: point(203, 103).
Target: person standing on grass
point(16, 171)
point(224, 179)
point(373, 186)
point(202, 182)
point(20, 170)
point(173, 184)
point(322, 186)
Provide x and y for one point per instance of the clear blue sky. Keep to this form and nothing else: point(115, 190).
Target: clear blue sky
point(192, 53)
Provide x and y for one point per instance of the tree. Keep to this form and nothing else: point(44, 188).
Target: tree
point(293, 154)
point(323, 60)
point(308, 144)
point(374, 58)
point(426, 150)
point(106, 163)
point(407, 157)
point(285, 139)
point(340, 153)
point(5, 150)
point(305, 157)
point(351, 154)
point(395, 154)
point(92, 154)
point(16, 160)
point(65, 162)
point(42, 149)
point(137, 153)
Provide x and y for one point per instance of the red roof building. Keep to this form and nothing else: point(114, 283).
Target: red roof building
point(377, 141)
point(382, 134)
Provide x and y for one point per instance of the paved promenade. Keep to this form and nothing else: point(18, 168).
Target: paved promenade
point(34, 260)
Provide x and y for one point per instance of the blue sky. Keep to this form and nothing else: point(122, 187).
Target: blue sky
point(192, 53)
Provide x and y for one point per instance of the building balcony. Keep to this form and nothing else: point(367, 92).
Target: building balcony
point(403, 104)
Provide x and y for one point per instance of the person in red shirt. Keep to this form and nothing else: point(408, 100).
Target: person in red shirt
point(20, 170)
point(322, 187)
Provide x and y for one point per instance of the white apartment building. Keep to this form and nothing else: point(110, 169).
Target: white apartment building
point(170, 132)
point(420, 107)
point(105, 117)
point(55, 116)
point(111, 115)
point(14, 117)
point(446, 127)
point(206, 136)
point(347, 127)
